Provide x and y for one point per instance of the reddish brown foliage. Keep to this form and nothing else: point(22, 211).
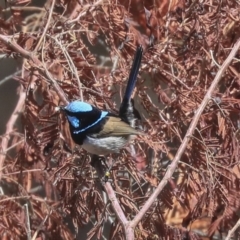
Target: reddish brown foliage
point(86, 50)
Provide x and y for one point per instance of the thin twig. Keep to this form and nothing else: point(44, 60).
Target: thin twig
point(9, 77)
point(70, 63)
point(9, 128)
point(231, 231)
point(28, 222)
point(46, 27)
point(42, 224)
point(35, 62)
point(87, 9)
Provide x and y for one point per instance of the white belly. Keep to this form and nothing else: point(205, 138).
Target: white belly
point(104, 146)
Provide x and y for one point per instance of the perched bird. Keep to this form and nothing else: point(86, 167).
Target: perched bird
point(100, 132)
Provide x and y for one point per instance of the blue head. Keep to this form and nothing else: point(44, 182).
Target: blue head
point(82, 116)
point(78, 106)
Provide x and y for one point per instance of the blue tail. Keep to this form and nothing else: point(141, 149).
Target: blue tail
point(133, 74)
point(127, 111)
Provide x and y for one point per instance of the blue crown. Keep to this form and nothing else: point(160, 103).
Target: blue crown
point(78, 106)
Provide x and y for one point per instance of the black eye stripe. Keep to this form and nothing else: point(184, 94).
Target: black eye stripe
point(87, 120)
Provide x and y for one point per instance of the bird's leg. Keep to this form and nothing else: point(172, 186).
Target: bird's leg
point(102, 169)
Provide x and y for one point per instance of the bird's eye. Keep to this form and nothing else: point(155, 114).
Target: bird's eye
point(73, 121)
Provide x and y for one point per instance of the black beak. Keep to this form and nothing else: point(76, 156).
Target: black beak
point(62, 108)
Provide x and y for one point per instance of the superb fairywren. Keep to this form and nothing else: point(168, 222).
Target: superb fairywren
point(101, 132)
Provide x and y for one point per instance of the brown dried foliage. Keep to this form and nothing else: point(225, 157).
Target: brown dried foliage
point(88, 50)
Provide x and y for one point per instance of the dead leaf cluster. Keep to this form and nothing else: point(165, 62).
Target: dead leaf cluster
point(86, 50)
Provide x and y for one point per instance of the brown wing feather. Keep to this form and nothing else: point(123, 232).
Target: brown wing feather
point(116, 127)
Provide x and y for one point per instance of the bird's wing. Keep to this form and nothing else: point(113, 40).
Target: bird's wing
point(116, 127)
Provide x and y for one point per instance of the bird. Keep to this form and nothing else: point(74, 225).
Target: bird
point(101, 132)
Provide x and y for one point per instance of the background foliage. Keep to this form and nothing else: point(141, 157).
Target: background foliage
point(84, 49)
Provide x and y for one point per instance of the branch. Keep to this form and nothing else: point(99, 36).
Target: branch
point(185, 141)
point(231, 231)
point(46, 26)
point(36, 63)
point(9, 128)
